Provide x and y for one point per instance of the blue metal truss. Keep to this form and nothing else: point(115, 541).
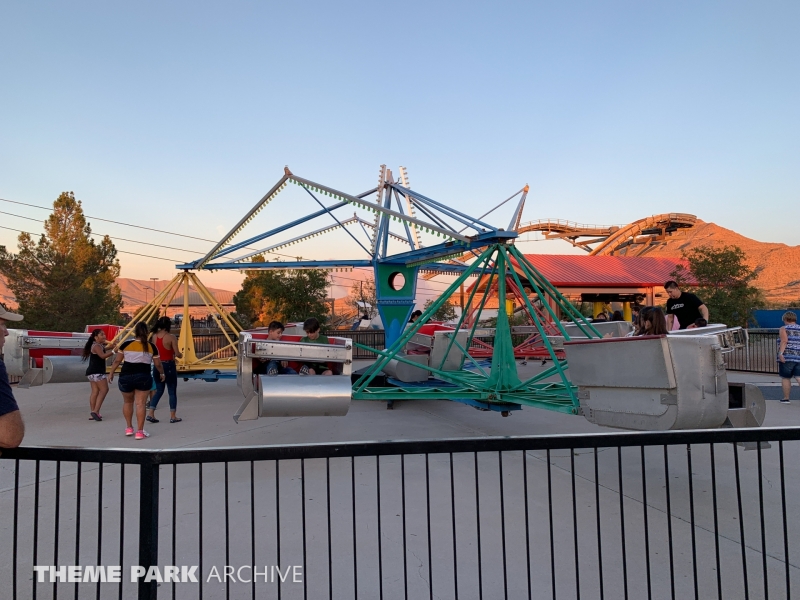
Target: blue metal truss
point(393, 304)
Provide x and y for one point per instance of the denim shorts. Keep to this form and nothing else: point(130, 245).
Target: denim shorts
point(789, 369)
point(135, 381)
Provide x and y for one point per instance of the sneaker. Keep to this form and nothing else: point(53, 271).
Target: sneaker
point(304, 370)
point(141, 434)
point(786, 401)
point(272, 372)
point(129, 431)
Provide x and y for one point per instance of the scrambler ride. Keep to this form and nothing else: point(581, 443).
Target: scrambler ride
point(678, 382)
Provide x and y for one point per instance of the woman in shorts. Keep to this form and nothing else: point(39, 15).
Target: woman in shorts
point(135, 380)
point(96, 353)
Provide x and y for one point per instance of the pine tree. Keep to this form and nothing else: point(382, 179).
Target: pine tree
point(64, 281)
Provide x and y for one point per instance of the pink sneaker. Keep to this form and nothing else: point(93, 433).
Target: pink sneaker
point(129, 431)
point(141, 434)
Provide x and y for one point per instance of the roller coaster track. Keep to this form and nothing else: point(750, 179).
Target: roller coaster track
point(634, 239)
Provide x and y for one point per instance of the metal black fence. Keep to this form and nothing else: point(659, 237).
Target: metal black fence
point(760, 354)
point(374, 338)
point(654, 515)
point(208, 344)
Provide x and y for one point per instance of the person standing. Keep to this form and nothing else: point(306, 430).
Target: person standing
point(135, 379)
point(96, 353)
point(12, 428)
point(789, 353)
point(168, 350)
point(684, 306)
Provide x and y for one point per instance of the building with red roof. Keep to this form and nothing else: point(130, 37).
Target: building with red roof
point(607, 278)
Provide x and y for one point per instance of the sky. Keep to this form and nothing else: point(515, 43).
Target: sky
point(179, 116)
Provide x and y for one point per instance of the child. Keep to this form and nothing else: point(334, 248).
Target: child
point(699, 322)
point(313, 336)
point(274, 367)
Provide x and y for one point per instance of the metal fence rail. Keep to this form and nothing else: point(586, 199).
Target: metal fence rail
point(374, 338)
point(760, 354)
point(701, 514)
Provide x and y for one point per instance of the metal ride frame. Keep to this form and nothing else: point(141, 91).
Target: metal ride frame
point(395, 274)
point(500, 388)
point(532, 343)
point(187, 281)
point(496, 260)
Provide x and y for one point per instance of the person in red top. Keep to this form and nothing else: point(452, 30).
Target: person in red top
point(168, 350)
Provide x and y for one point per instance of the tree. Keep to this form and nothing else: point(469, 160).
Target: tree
point(446, 312)
point(723, 283)
point(286, 295)
point(64, 281)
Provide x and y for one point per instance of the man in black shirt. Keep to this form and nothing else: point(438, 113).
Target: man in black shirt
point(685, 307)
point(11, 427)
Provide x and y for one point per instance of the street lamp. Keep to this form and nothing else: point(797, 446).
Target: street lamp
point(154, 279)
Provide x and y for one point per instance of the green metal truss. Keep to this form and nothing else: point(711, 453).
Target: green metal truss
point(501, 385)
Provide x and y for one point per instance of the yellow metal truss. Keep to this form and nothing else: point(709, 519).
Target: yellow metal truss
point(191, 362)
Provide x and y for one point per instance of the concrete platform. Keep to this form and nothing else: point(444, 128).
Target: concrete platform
point(58, 415)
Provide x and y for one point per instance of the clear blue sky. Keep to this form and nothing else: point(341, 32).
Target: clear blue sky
point(181, 115)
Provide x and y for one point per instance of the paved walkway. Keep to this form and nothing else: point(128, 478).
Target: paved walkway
point(58, 415)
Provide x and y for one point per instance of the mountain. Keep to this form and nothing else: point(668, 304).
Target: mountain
point(137, 292)
point(777, 265)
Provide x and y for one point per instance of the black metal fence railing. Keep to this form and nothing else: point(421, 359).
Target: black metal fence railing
point(374, 338)
point(702, 514)
point(760, 354)
point(208, 344)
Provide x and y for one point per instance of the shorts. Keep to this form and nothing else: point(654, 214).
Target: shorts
point(789, 369)
point(97, 377)
point(135, 382)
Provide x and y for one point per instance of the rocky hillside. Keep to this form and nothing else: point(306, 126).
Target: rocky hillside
point(777, 265)
point(135, 294)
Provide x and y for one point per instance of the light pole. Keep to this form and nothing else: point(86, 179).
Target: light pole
point(154, 279)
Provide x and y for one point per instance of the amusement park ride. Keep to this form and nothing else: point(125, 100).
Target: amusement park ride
point(467, 362)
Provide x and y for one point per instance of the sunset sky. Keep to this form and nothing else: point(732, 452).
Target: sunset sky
point(179, 116)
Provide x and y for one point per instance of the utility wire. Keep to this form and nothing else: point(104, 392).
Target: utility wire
point(120, 251)
point(293, 257)
point(115, 222)
point(114, 237)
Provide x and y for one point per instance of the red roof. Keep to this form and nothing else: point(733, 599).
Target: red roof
point(604, 271)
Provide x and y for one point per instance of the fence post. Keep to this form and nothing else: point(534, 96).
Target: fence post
point(148, 524)
point(747, 354)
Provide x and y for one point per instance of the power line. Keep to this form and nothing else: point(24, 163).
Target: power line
point(115, 237)
point(116, 222)
point(136, 241)
point(120, 251)
point(135, 227)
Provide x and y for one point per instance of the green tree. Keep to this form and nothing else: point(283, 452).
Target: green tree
point(66, 280)
point(723, 282)
point(283, 295)
point(446, 312)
